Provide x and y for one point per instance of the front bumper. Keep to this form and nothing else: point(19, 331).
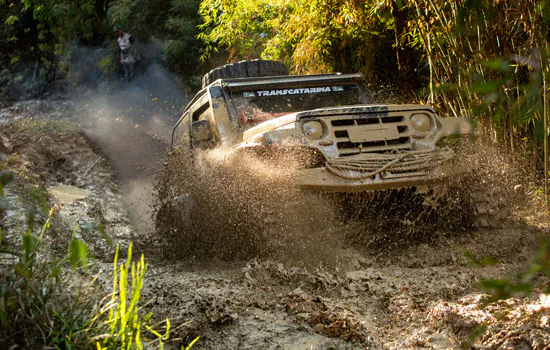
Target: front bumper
point(370, 172)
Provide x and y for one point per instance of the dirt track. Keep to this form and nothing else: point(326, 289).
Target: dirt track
point(419, 295)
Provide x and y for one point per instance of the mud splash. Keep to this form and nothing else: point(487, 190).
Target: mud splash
point(246, 206)
point(242, 208)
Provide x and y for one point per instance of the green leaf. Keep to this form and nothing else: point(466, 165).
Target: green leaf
point(10, 252)
point(479, 262)
point(157, 334)
point(499, 65)
point(192, 343)
point(523, 288)
point(11, 20)
point(105, 235)
point(23, 271)
point(443, 88)
point(28, 248)
point(55, 272)
point(485, 88)
point(167, 333)
point(78, 252)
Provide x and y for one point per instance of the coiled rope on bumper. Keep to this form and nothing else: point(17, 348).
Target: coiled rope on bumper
point(343, 168)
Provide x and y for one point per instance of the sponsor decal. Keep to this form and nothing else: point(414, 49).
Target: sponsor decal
point(300, 91)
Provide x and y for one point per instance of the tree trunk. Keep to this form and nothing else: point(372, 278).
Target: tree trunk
point(405, 59)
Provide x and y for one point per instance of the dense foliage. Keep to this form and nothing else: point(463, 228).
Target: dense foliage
point(310, 36)
point(450, 47)
point(41, 33)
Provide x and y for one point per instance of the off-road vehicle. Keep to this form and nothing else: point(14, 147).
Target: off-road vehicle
point(342, 142)
point(329, 129)
point(350, 143)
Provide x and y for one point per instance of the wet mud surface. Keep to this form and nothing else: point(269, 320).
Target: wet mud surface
point(378, 295)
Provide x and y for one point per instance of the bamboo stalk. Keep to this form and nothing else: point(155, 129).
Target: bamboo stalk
point(425, 35)
point(431, 69)
point(545, 117)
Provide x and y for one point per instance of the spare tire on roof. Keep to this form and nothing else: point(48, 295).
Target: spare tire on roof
point(245, 69)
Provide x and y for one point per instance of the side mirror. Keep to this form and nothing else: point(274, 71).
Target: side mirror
point(201, 130)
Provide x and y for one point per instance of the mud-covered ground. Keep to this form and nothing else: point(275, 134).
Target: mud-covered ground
point(95, 159)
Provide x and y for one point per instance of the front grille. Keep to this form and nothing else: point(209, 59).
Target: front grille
point(382, 133)
point(390, 165)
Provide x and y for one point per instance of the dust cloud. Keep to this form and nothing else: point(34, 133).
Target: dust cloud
point(131, 125)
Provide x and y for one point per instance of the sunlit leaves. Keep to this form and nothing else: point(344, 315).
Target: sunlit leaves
point(307, 35)
point(479, 262)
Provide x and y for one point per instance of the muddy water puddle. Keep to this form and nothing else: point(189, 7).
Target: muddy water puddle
point(68, 194)
point(397, 300)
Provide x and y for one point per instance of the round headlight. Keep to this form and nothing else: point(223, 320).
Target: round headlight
point(421, 122)
point(313, 129)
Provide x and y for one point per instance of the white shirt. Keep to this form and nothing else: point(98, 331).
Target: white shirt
point(124, 41)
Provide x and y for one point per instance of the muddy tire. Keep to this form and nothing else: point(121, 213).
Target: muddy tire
point(173, 225)
point(245, 69)
point(492, 208)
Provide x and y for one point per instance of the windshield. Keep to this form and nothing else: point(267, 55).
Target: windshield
point(257, 106)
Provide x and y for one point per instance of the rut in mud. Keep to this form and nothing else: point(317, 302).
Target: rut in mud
point(258, 277)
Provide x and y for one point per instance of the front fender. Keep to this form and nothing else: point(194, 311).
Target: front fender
point(289, 134)
point(455, 126)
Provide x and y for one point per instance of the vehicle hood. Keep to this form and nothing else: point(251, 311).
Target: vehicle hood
point(269, 125)
point(360, 109)
point(288, 119)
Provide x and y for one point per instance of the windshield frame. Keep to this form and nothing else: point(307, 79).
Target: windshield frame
point(231, 87)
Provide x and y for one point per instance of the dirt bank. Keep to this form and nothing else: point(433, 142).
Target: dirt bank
point(54, 161)
point(381, 296)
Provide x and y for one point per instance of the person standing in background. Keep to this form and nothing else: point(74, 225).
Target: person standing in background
point(128, 53)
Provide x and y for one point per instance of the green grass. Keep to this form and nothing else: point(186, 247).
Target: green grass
point(52, 300)
point(45, 126)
